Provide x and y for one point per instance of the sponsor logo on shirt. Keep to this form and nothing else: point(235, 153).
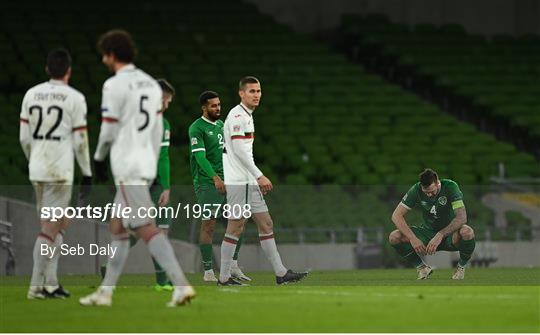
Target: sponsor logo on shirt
point(210, 133)
point(442, 200)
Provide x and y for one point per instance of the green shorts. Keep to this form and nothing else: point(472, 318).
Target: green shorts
point(208, 195)
point(162, 221)
point(425, 235)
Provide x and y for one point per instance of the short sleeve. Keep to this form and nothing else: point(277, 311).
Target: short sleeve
point(110, 102)
point(196, 139)
point(410, 198)
point(24, 109)
point(455, 196)
point(79, 112)
point(165, 141)
point(236, 125)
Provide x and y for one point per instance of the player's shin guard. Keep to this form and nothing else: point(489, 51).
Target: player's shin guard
point(227, 252)
point(268, 245)
point(406, 251)
point(466, 249)
point(51, 271)
point(206, 253)
point(116, 263)
point(160, 248)
point(41, 259)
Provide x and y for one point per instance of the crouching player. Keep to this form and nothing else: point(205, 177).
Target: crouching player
point(444, 226)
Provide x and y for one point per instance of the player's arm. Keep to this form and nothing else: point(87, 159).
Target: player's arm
point(109, 121)
point(25, 136)
point(456, 200)
point(80, 137)
point(398, 218)
point(243, 152)
point(164, 167)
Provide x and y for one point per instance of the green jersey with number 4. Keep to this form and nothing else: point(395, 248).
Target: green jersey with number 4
point(206, 136)
point(437, 211)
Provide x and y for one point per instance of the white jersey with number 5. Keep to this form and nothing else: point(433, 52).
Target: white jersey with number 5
point(53, 110)
point(133, 99)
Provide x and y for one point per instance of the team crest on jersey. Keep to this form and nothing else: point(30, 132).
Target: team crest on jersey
point(210, 133)
point(194, 141)
point(442, 200)
point(236, 127)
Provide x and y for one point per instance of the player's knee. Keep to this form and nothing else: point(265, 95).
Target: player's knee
point(147, 232)
point(394, 237)
point(466, 232)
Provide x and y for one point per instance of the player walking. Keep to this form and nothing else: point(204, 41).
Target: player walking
point(206, 158)
point(444, 228)
point(132, 130)
point(52, 131)
point(246, 185)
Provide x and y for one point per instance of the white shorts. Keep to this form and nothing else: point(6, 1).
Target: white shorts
point(134, 194)
point(241, 195)
point(52, 194)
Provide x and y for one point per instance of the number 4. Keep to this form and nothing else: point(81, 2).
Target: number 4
point(433, 211)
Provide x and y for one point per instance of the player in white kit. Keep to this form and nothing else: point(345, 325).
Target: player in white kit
point(246, 186)
point(131, 130)
point(52, 133)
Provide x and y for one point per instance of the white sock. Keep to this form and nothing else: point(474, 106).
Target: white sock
point(161, 249)
point(51, 271)
point(115, 265)
point(40, 261)
point(234, 263)
point(227, 252)
point(268, 245)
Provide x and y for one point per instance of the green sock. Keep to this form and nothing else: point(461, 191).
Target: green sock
point(161, 275)
point(406, 251)
point(132, 240)
point(237, 250)
point(206, 252)
point(466, 249)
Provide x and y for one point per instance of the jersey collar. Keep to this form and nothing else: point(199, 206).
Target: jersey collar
point(126, 68)
point(211, 122)
point(244, 107)
point(56, 82)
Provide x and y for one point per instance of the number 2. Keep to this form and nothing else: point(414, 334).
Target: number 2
point(48, 135)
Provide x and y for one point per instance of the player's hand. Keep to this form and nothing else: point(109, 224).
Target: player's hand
point(164, 198)
point(84, 189)
point(264, 184)
point(418, 246)
point(100, 167)
point(434, 243)
point(219, 184)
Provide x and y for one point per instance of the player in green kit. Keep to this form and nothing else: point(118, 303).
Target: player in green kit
point(206, 150)
point(444, 226)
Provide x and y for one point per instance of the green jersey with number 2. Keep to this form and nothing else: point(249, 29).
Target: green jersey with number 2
point(206, 136)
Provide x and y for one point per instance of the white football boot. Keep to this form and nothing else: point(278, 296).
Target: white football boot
point(35, 292)
point(182, 295)
point(237, 273)
point(102, 297)
point(459, 274)
point(209, 276)
point(424, 272)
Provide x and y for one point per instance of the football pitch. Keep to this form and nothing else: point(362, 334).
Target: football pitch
point(488, 300)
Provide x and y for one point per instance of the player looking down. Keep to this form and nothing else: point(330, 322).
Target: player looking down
point(444, 226)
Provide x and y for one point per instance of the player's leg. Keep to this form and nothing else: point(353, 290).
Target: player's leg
point(465, 242)
point(162, 282)
point(235, 227)
point(52, 286)
point(205, 245)
point(403, 247)
point(119, 242)
point(45, 247)
point(236, 272)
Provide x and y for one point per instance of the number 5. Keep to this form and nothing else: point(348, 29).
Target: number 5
point(146, 114)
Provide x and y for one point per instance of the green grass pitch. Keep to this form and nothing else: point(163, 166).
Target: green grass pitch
point(488, 300)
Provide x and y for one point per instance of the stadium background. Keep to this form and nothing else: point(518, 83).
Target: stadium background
point(357, 99)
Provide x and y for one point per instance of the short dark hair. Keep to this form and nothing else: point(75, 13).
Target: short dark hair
point(58, 63)
point(166, 87)
point(247, 80)
point(119, 43)
point(207, 95)
point(428, 177)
